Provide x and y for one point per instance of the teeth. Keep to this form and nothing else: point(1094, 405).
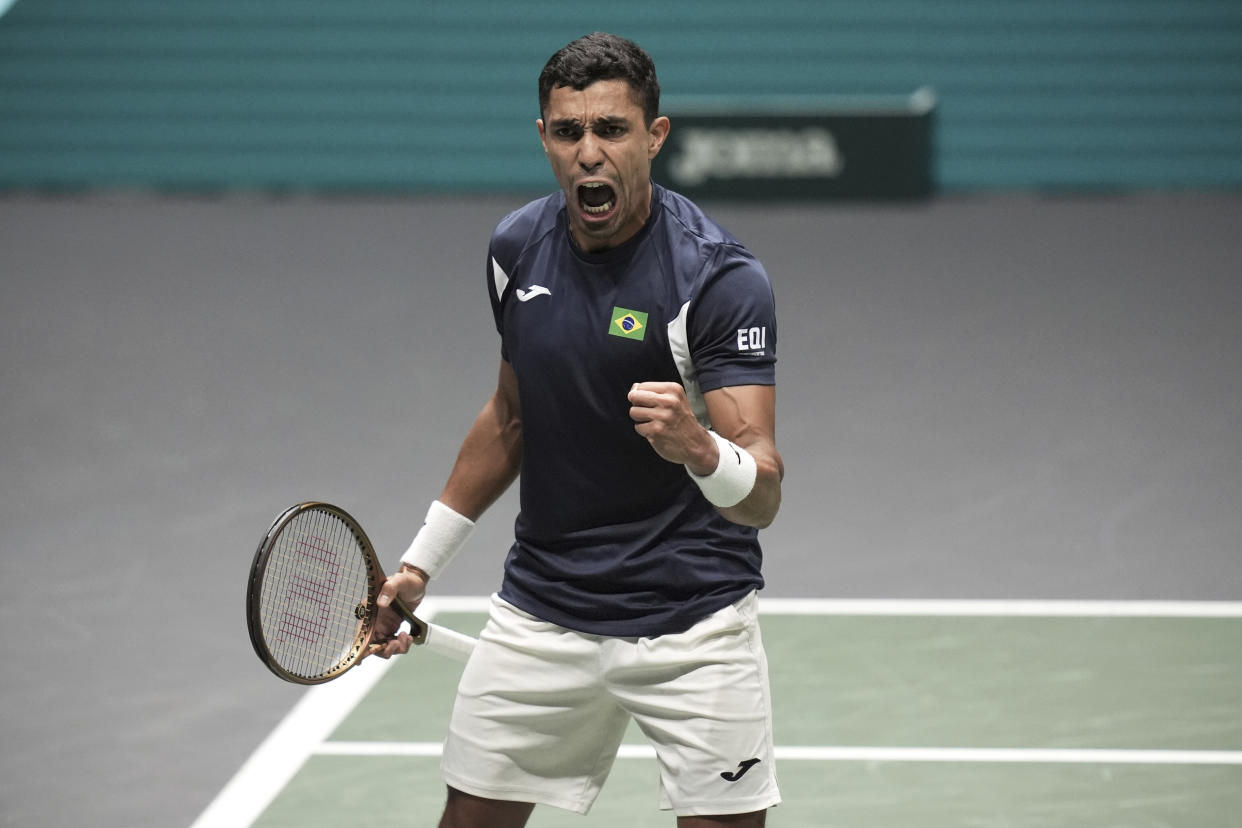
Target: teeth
point(603, 208)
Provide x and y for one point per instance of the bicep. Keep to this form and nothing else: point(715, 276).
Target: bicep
point(508, 404)
point(742, 412)
point(746, 414)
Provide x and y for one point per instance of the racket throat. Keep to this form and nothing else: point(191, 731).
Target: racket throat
point(418, 630)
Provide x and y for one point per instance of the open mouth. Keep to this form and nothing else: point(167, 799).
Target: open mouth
point(596, 199)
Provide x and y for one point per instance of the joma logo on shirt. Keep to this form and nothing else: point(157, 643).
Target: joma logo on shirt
point(752, 339)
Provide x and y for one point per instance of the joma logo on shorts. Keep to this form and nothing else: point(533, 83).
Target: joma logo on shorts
point(740, 772)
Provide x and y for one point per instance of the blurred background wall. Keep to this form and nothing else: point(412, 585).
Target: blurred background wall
point(420, 96)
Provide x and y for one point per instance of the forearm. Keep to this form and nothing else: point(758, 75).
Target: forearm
point(488, 461)
point(759, 508)
point(745, 416)
point(721, 470)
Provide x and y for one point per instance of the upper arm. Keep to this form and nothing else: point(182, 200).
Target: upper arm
point(509, 406)
point(746, 414)
point(731, 327)
point(732, 339)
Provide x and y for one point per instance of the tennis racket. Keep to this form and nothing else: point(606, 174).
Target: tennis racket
point(310, 605)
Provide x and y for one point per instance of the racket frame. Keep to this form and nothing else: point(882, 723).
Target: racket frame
point(366, 612)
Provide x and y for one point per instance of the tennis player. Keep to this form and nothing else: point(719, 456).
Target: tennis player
point(636, 398)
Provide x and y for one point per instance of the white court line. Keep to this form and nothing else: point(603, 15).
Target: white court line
point(950, 607)
point(1016, 608)
point(307, 726)
point(305, 730)
point(868, 754)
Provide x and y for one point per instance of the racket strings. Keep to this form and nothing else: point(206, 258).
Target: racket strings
point(314, 584)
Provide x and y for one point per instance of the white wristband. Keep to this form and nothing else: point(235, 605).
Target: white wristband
point(444, 532)
point(734, 477)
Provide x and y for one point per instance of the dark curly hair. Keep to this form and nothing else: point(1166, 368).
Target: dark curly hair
point(602, 56)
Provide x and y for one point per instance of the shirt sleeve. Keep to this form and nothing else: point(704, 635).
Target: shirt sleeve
point(732, 323)
point(497, 284)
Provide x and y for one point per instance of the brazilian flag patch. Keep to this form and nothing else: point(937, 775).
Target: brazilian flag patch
point(628, 324)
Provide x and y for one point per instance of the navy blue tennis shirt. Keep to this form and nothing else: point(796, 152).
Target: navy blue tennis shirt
point(612, 539)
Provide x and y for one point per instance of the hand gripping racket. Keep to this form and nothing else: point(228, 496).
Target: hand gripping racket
point(310, 605)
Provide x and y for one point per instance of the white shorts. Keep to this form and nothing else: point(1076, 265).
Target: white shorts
point(541, 711)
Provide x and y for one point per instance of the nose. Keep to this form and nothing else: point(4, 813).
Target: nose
point(590, 155)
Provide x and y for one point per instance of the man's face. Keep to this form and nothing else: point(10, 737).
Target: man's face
point(601, 152)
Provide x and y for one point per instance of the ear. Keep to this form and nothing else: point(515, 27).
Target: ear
point(543, 139)
point(657, 134)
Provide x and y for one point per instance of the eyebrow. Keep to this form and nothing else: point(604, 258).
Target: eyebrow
point(606, 120)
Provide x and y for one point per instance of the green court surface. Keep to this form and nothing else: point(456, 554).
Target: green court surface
point(884, 719)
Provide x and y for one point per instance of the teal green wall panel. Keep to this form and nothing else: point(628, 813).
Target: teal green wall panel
point(431, 96)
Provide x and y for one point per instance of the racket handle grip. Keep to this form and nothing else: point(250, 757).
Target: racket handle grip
point(449, 643)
